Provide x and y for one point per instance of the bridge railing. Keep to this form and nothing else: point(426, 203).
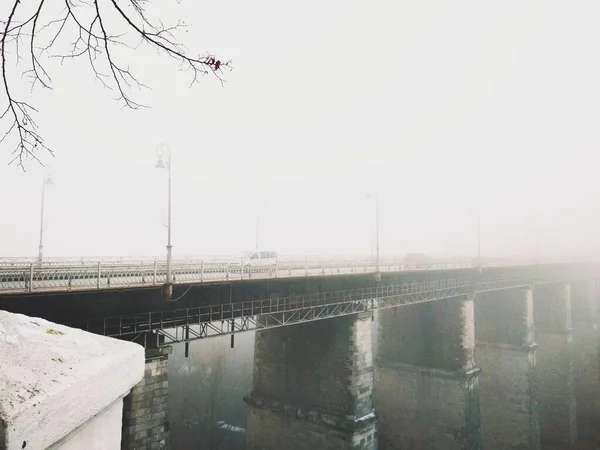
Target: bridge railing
point(22, 262)
point(321, 261)
point(22, 276)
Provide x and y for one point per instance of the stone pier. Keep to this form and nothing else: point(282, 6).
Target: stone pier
point(145, 409)
point(555, 368)
point(426, 386)
point(312, 387)
point(586, 343)
point(506, 353)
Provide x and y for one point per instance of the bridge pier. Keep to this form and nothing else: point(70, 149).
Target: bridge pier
point(145, 409)
point(426, 386)
point(555, 368)
point(312, 386)
point(506, 353)
point(586, 341)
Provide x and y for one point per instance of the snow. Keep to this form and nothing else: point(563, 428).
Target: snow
point(229, 427)
point(371, 415)
point(54, 378)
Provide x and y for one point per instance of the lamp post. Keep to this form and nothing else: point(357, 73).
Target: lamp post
point(373, 245)
point(478, 240)
point(377, 273)
point(47, 181)
point(537, 242)
point(163, 151)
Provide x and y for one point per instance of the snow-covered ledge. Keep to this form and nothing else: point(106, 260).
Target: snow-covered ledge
point(62, 388)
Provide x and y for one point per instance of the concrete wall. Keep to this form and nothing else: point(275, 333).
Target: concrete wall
point(145, 409)
point(505, 352)
point(312, 386)
point(103, 432)
point(62, 388)
point(426, 386)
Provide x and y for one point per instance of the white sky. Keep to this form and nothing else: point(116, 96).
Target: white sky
point(455, 108)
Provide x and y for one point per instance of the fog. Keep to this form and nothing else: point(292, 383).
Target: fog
point(451, 110)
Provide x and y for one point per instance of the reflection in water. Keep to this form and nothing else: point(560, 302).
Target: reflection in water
point(206, 391)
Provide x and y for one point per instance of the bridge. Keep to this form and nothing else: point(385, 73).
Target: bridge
point(469, 355)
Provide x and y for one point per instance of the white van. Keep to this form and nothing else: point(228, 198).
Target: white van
point(255, 259)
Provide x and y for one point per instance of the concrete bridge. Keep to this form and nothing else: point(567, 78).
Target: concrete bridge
point(467, 358)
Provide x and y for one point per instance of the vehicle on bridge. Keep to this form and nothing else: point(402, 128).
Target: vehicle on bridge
point(416, 260)
point(257, 259)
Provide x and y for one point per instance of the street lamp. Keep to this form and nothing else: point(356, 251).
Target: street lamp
point(163, 151)
point(46, 181)
point(478, 240)
point(537, 242)
point(377, 273)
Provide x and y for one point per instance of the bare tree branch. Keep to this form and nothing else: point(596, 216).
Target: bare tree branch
point(89, 25)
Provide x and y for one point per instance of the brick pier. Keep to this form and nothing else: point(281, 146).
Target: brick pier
point(145, 409)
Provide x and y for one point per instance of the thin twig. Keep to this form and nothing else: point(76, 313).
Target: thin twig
point(92, 39)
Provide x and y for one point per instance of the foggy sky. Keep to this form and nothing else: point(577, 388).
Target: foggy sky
point(456, 109)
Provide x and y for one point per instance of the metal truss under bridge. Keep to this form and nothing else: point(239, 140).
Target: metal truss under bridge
point(184, 325)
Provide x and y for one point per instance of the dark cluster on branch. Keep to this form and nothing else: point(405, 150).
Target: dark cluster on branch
point(87, 26)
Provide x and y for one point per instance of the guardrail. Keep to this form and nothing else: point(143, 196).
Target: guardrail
point(36, 277)
point(186, 259)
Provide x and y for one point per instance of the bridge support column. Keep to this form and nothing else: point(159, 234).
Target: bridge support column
point(505, 352)
point(145, 418)
point(556, 380)
point(426, 386)
point(586, 343)
point(313, 386)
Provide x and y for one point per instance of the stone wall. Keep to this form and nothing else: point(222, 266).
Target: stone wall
point(505, 352)
point(312, 386)
point(427, 408)
point(281, 426)
point(586, 344)
point(145, 409)
point(426, 386)
point(555, 364)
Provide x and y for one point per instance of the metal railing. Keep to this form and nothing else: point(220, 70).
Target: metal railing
point(183, 259)
point(32, 276)
point(183, 325)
